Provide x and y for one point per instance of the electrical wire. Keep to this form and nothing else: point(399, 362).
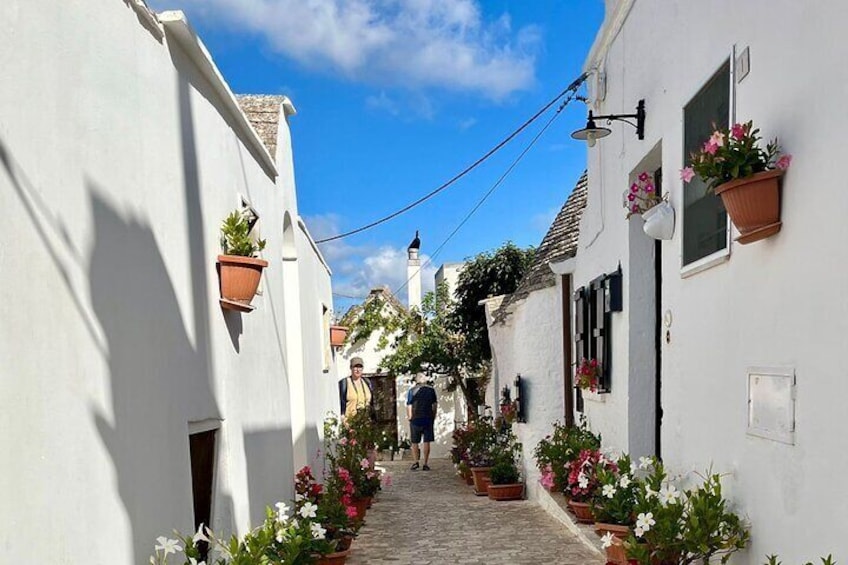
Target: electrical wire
point(571, 88)
point(490, 191)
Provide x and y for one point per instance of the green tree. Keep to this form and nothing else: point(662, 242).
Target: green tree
point(445, 337)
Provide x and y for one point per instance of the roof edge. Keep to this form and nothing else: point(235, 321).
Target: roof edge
point(177, 24)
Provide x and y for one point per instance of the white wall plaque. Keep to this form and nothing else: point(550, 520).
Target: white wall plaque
point(771, 403)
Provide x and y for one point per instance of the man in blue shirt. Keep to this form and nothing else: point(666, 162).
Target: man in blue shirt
point(421, 406)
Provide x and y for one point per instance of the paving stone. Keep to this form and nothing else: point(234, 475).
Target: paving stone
point(433, 517)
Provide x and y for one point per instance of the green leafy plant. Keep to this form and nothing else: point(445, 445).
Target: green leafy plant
point(236, 238)
point(615, 499)
point(555, 451)
point(732, 154)
point(683, 526)
point(772, 560)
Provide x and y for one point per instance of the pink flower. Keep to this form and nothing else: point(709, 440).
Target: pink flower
point(687, 174)
point(635, 208)
point(351, 512)
point(737, 131)
point(344, 474)
point(634, 187)
point(711, 147)
point(717, 138)
point(353, 442)
point(343, 441)
point(364, 464)
point(631, 197)
point(783, 162)
point(643, 177)
point(547, 480)
point(649, 187)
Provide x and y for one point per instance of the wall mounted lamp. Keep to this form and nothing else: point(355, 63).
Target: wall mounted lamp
point(592, 132)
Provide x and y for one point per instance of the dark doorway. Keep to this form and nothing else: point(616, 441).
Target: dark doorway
point(567, 338)
point(202, 450)
point(385, 404)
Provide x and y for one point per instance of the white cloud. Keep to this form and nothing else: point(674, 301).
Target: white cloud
point(409, 43)
point(383, 102)
point(467, 123)
point(358, 269)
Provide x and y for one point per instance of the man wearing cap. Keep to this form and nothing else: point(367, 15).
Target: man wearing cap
point(421, 406)
point(354, 391)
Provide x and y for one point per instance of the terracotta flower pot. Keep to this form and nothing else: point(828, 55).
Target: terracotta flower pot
point(481, 479)
point(753, 204)
point(337, 558)
point(582, 511)
point(361, 504)
point(338, 334)
point(617, 552)
point(506, 492)
point(621, 532)
point(239, 280)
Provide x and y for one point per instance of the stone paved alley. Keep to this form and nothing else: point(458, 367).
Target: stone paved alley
point(433, 517)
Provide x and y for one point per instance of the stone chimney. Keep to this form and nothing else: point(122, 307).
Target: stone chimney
point(413, 273)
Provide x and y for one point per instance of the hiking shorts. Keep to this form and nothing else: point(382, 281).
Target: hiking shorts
point(419, 430)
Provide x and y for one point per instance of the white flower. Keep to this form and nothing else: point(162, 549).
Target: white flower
point(606, 540)
point(644, 462)
point(168, 546)
point(299, 497)
point(582, 481)
point(152, 560)
point(279, 536)
point(608, 491)
point(317, 531)
point(282, 512)
point(638, 531)
point(644, 521)
point(668, 495)
point(624, 482)
point(194, 561)
point(308, 510)
point(199, 535)
point(649, 492)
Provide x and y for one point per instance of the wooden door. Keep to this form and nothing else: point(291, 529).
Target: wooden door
point(385, 403)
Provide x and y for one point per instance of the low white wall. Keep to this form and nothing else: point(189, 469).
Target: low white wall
point(529, 343)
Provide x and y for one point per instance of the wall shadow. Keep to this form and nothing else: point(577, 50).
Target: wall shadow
point(270, 478)
point(158, 379)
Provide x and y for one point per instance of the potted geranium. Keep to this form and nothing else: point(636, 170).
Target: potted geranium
point(240, 268)
point(746, 176)
point(558, 449)
point(588, 375)
point(643, 199)
point(482, 440)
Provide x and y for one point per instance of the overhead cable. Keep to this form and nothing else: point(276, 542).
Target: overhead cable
point(572, 88)
point(490, 191)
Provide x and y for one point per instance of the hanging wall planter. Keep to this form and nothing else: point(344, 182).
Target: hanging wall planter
point(338, 335)
point(240, 278)
point(659, 221)
point(239, 268)
point(753, 204)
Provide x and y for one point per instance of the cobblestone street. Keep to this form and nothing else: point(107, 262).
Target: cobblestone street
point(434, 517)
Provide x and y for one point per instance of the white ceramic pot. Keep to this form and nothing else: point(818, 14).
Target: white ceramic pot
point(659, 221)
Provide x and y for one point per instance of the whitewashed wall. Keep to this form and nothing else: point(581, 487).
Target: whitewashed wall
point(119, 158)
point(529, 343)
point(772, 303)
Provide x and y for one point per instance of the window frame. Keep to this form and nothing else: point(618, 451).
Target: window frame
point(721, 255)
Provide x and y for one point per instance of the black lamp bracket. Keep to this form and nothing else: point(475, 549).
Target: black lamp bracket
point(639, 116)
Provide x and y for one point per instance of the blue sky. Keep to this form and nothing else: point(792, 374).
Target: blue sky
point(394, 97)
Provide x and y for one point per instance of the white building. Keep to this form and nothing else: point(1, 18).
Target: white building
point(722, 354)
point(131, 404)
point(448, 273)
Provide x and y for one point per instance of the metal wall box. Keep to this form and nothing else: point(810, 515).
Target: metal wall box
point(771, 403)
